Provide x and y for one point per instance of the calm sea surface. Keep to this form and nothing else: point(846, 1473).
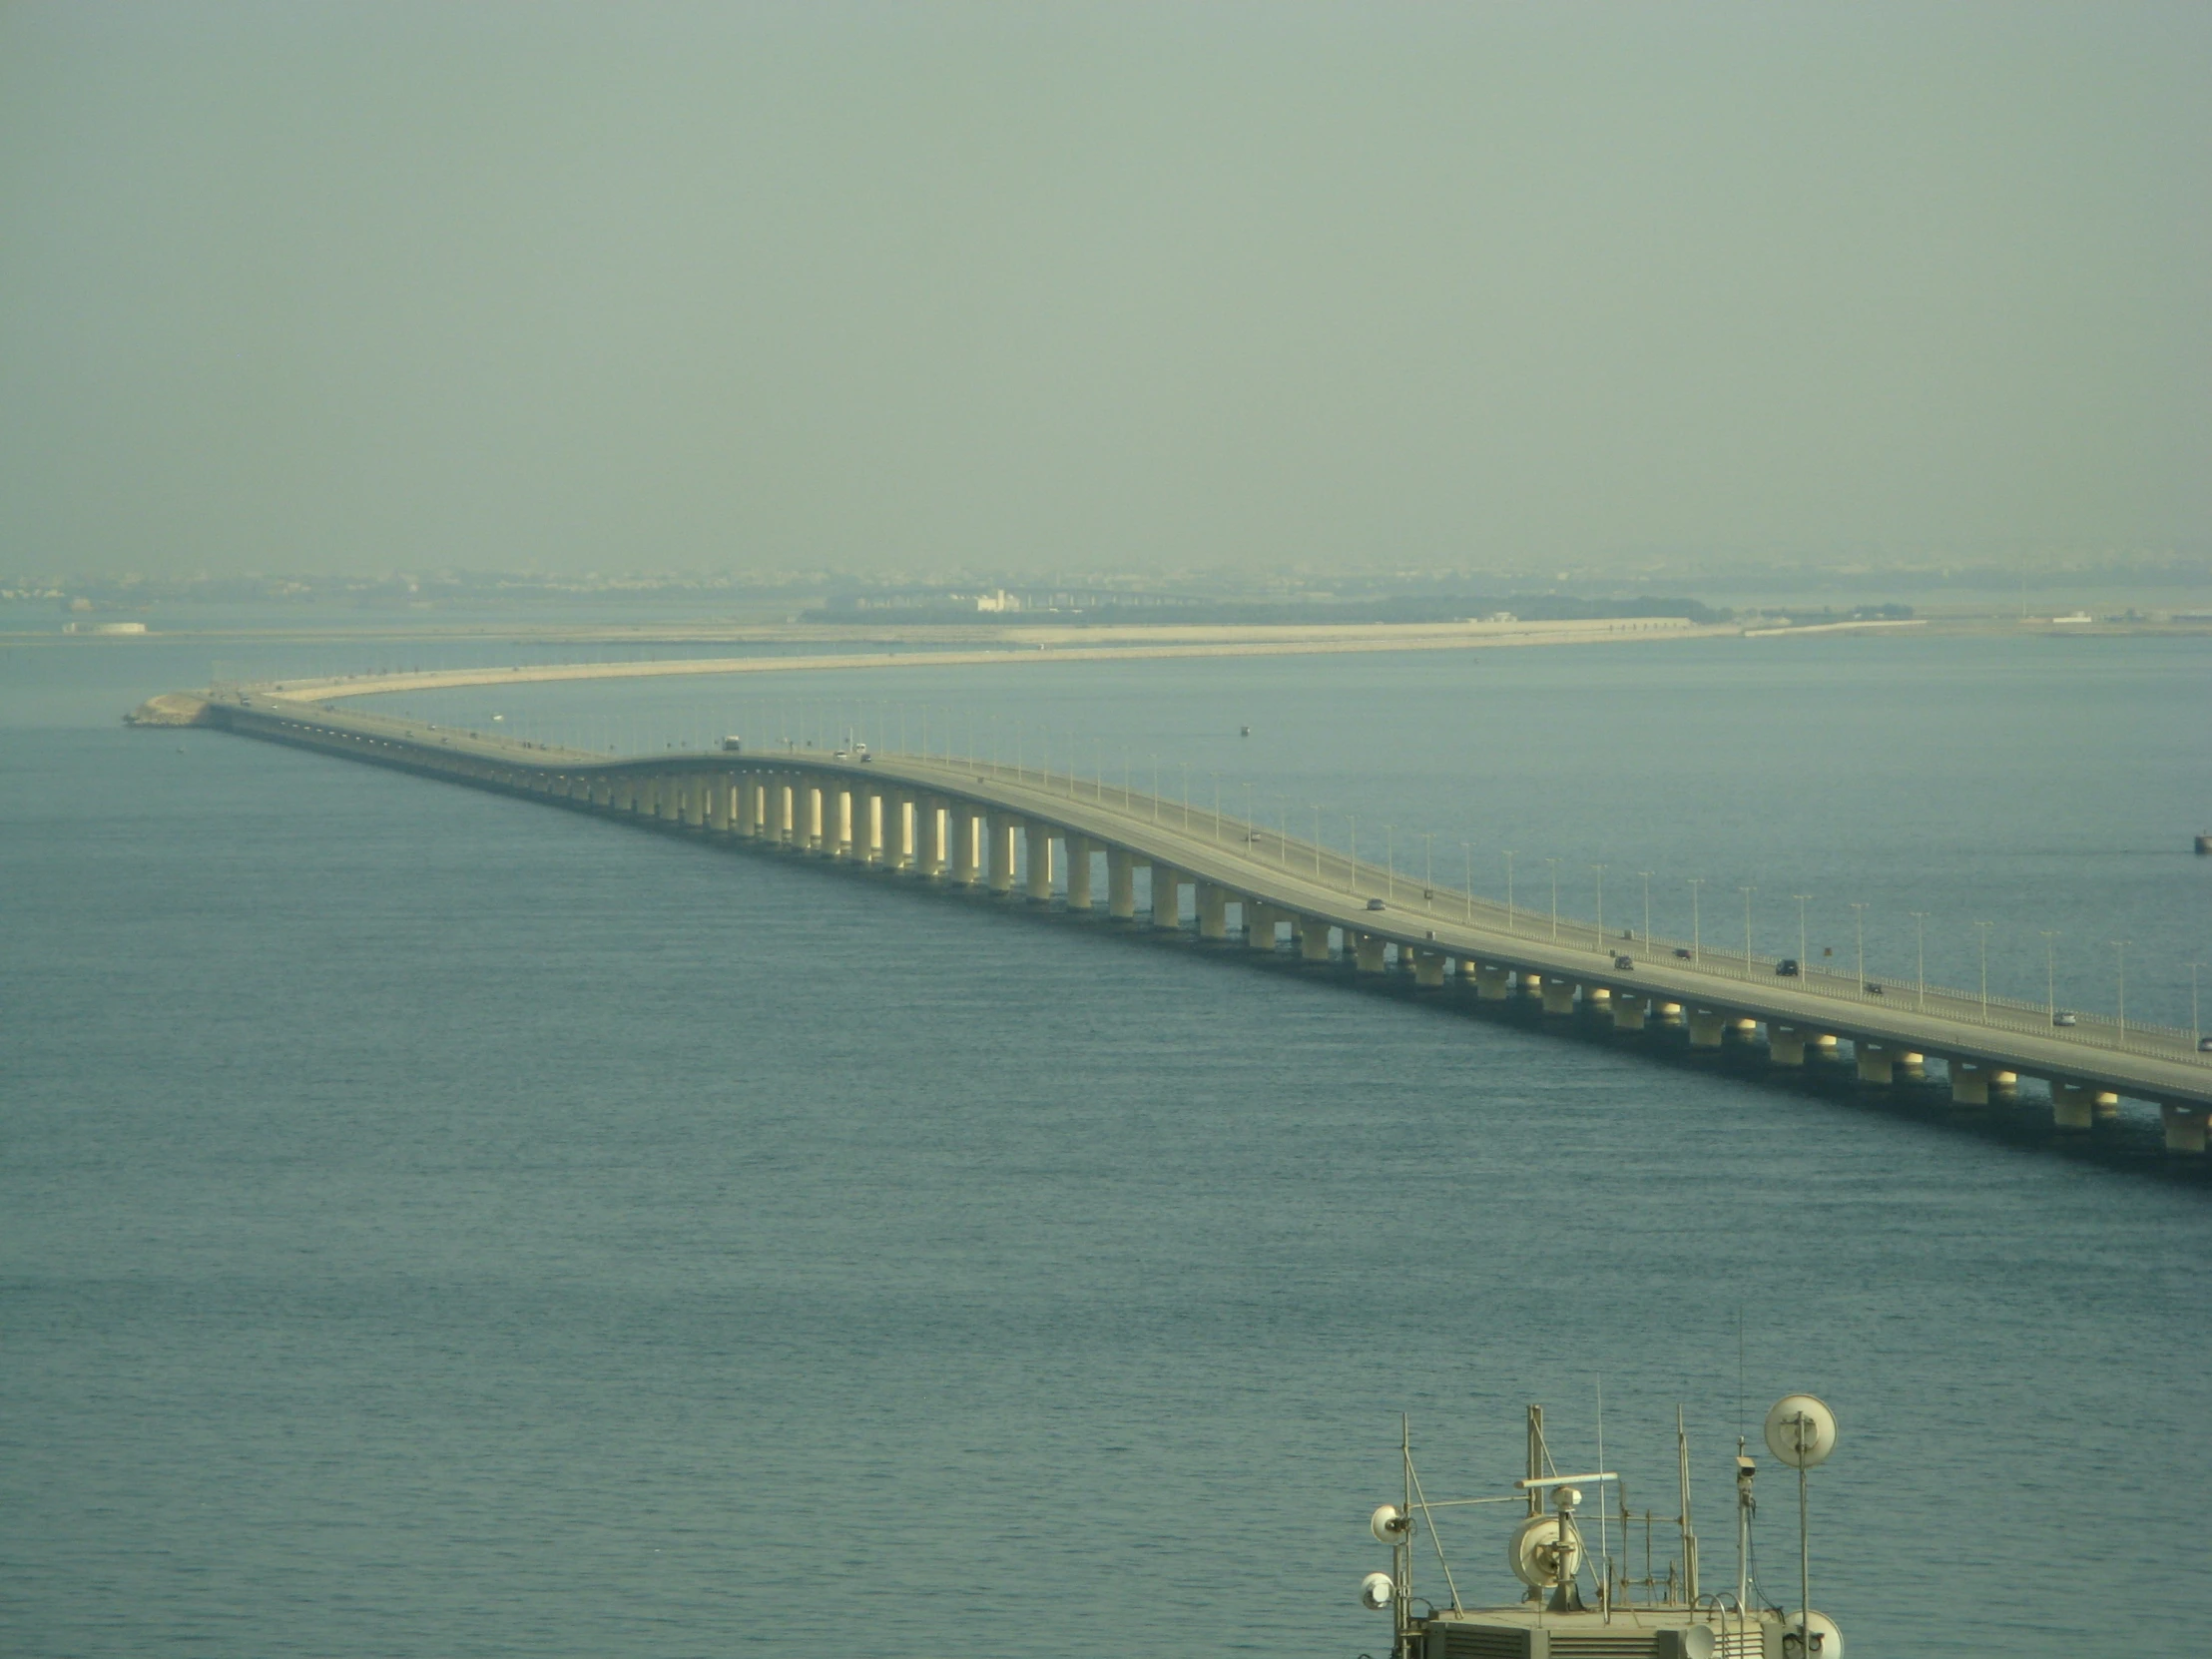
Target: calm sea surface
point(433, 1224)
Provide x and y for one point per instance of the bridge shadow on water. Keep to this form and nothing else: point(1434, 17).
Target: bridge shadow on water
point(2016, 1121)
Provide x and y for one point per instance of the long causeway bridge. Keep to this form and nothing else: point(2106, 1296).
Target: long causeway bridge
point(1042, 836)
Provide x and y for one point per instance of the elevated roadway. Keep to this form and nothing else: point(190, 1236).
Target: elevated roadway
point(1047, 837)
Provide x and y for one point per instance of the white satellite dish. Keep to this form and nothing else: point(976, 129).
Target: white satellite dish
point(1390, 1524)
point(1376, 1590)
point(1827, 1640)
point(1535, 1554)
point(1801, 1430)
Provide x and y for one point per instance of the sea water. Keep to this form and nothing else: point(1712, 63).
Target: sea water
point(436, 1223)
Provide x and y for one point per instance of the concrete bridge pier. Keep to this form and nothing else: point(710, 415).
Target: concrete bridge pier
point(2185, 1128)
point(1628, 1011)
point(898, 831)
point(1429, 969)
point(1707, 1027)
point(1558, 996)
point(1312, 940)
point(1167, 896)
point(1038, 876)
point(1213, 911)
point(970, 841)
point(1493, 983)
point(1784, 1045)
point(932, 815)
point(2071, 1105)
point(1000, 852)
point(1121, 884)
point(1079, 850)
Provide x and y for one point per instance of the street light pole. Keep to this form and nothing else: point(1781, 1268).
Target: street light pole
point(1984, 926)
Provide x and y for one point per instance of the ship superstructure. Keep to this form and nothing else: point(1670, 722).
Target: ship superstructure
point(1576, 1549)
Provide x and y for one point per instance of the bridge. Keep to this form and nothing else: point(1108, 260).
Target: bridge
point(1041, 836)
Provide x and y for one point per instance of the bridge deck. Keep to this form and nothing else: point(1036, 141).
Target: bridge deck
point(1253, 864)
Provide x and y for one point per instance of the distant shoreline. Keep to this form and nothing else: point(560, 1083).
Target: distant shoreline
point(1226, 642)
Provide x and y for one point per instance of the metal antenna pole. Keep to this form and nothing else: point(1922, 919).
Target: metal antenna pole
point(1689, 1539)
point(1804, 1549)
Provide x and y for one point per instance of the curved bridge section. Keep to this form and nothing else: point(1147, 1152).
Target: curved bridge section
point(1049, 837)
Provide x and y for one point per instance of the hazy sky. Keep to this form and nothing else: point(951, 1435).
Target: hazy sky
point(623, 288)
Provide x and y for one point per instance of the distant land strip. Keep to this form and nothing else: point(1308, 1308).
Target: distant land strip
point(1226, 642)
